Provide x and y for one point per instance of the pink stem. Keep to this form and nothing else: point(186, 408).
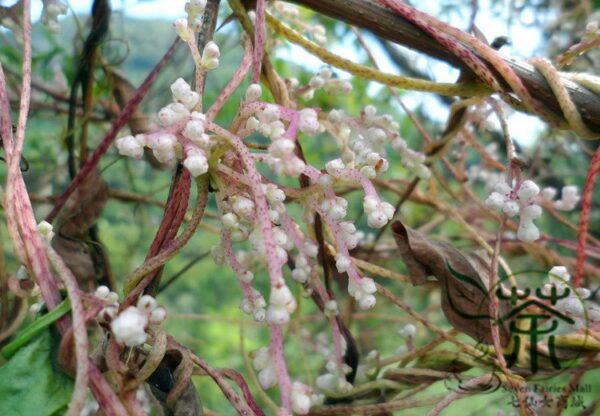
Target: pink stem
point(106, 397)
point(79, 332)
point(234, 263)
point(234, 83)
point(273, 264)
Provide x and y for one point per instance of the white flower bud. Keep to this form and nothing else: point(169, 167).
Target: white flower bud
point(300, 275)
point(367, 285)
point(210, 56)
point(527, 231)
point(366, 301)
point(246, 276)
point(45, 230)
point(277, 315)
point(308, 122)
point(528, 190)
point(281, 148)
point(146, 303)
point(495, 201)
point(531, 212)
point(196, 164)
point(102, 292)
point(502, 188)
point(510, 208)
point(274, 194)
point(409, 330)
point(181, 28)
point(267, 377)
point(129, 327)
point(243, 207)
point(369, 172)
point(559, 274)
point(370, 204)
point(377, 219)
point(230, 221)
point(253, 92)
point(158, 315)
point(342, 263)
point(131, 146)
point(252, 123)
point(548, 193)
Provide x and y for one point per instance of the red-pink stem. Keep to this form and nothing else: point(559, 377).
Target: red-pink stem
point(273, 263)
point(584, 222)
point(106, 397)
point(79, 332)
point(119, 123)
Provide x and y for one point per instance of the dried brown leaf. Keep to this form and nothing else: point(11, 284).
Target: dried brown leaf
point(464, 281)
point(78, 215)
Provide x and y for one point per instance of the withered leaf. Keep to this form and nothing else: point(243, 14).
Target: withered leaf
point(78, 215)
point(464, 281)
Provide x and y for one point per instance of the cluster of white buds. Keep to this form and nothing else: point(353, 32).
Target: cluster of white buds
point(577, 304)
point(414, 161)
point(129, 327)
point(318, 33)
point(287, 10)
point(519, 201)
point(281, 305)
point(265, 365)
point(350, 234)
point(364, 139)
point(378, 212)
point(238, 230)
point(363, 292)
point(325, 80)
point(568, 199)
point(210, 56)
point(109, 312)
point(52, 9)
point(255, 305)
point(281, 157)
point(282, 243)
point(46, 231)
point(303, 267)
point(301, 398)
point(193, 22)
point(333, 382)
point(183, 133)
point(335, 207)
point(275, 198)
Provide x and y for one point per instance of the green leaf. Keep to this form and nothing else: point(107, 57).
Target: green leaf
point(31, 382)
point(37, 326)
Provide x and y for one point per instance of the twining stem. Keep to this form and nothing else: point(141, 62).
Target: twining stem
point(118, 124)
point(79, 332)
point(584, 222)
point(465, 90)
point(130, 287)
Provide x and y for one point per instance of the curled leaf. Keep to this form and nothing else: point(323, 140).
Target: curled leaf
point(464, 281)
